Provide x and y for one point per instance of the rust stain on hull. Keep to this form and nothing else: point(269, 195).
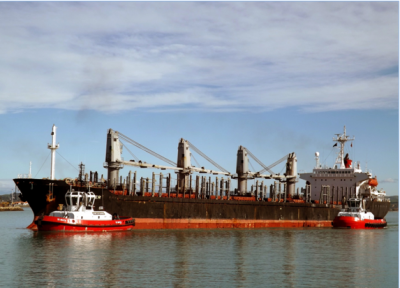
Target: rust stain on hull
point(151, 223)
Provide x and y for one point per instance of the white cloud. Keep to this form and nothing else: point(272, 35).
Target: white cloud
point(389, 180)
point(212, 56)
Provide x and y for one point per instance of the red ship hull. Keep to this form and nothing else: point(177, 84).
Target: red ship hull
point(356, 223)
point(51, 223)
point(154, 223)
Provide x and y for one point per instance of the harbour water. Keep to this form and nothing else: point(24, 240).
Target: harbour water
point(306, 257)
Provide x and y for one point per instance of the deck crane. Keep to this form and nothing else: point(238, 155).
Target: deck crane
point(243, 173)
point(114, 162)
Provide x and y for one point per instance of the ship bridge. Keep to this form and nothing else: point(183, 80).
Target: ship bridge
point(341, 180)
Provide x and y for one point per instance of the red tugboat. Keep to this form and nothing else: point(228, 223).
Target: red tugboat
point(79, 216)
point(356, 217)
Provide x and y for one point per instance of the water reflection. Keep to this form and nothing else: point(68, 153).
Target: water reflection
point(240, 275)
point(203, 258)
point(181, 243)
point(289, 266)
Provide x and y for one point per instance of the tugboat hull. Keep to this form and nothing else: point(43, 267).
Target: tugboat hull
point(356, 223)
point(51, 223)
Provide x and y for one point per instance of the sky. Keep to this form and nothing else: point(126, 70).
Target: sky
point(275, 77)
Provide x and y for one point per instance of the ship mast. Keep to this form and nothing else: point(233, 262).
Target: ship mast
point(53, 147)
point(341, 139)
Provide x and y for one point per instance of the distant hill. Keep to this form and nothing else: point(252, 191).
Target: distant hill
point(394, 198)
point(394, 203)
point(7, 197)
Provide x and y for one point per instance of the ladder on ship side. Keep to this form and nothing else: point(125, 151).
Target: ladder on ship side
point(325, 193)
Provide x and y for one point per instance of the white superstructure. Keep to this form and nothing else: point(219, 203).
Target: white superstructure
point(341, 180)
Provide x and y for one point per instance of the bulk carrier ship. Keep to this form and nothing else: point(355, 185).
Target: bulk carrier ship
point(201, 202)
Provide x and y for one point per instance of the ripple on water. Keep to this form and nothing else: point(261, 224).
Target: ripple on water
point(199, 258)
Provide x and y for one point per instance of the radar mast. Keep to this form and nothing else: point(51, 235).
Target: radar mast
point(341, 139)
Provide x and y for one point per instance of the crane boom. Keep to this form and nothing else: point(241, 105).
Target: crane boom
point(191, 169)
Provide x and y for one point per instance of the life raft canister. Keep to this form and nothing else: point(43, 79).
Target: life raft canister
point(373, 182)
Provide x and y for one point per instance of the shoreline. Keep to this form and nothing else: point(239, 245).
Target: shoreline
point(17, 208)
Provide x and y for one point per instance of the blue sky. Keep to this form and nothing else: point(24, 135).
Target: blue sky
point(274, 77)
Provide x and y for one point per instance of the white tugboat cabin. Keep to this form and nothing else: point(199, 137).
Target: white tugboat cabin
point(80, 205)
point(356, 210)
